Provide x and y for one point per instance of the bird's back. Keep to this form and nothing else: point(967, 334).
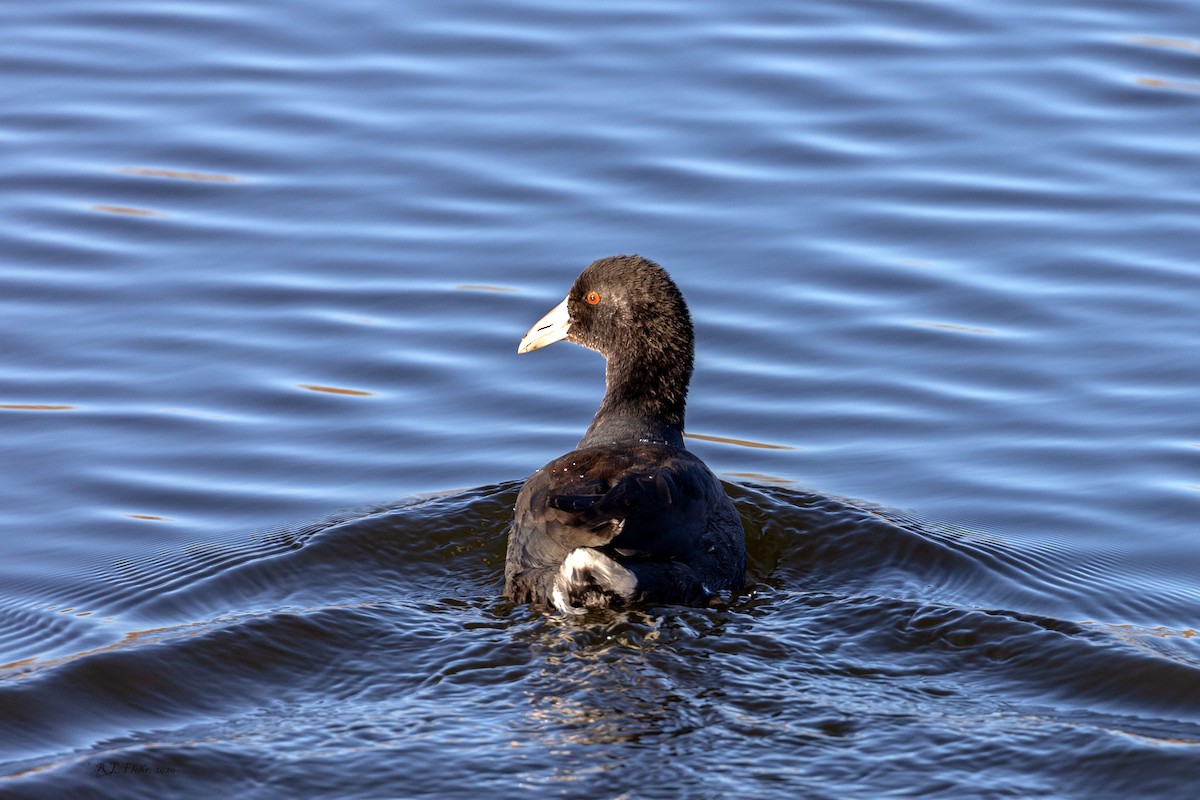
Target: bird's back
point(655, 510)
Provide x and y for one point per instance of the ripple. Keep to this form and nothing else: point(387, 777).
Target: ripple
point(414, 588)
point(949, 251)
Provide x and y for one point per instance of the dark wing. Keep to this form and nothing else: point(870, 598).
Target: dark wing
point(631, 494)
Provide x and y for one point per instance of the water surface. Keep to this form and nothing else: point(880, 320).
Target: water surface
point(262, 277)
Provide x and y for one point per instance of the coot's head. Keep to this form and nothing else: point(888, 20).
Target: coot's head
point(628, 309)
point(624, 307)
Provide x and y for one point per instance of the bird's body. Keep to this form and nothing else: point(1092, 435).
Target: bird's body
point(631, 515)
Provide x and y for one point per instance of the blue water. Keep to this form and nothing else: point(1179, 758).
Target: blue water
point(263, 271)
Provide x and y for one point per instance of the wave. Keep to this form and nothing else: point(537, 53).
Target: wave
point(396, 611)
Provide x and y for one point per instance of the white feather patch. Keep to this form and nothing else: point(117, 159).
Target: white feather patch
point(585, 565)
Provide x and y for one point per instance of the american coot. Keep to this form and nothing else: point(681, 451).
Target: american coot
point(630, 515)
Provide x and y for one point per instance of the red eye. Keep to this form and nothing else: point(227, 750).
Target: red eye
point(592, 297)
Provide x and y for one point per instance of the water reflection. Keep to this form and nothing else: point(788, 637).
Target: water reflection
point(706, 437)
point(1163, 83)
point(313, 387)
point(612, 679)
point(183, 175)
point(128, 211)
point(481, 287)
point(1169, 43)
point(947, 326)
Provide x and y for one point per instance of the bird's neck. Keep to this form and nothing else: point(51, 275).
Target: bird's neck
point(642, 403)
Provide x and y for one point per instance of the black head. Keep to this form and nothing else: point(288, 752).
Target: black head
point(629, 310)
point(628, 305)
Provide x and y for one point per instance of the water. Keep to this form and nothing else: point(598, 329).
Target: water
point(262, 275)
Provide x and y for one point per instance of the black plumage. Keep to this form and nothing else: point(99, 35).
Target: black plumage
point(630, 515)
